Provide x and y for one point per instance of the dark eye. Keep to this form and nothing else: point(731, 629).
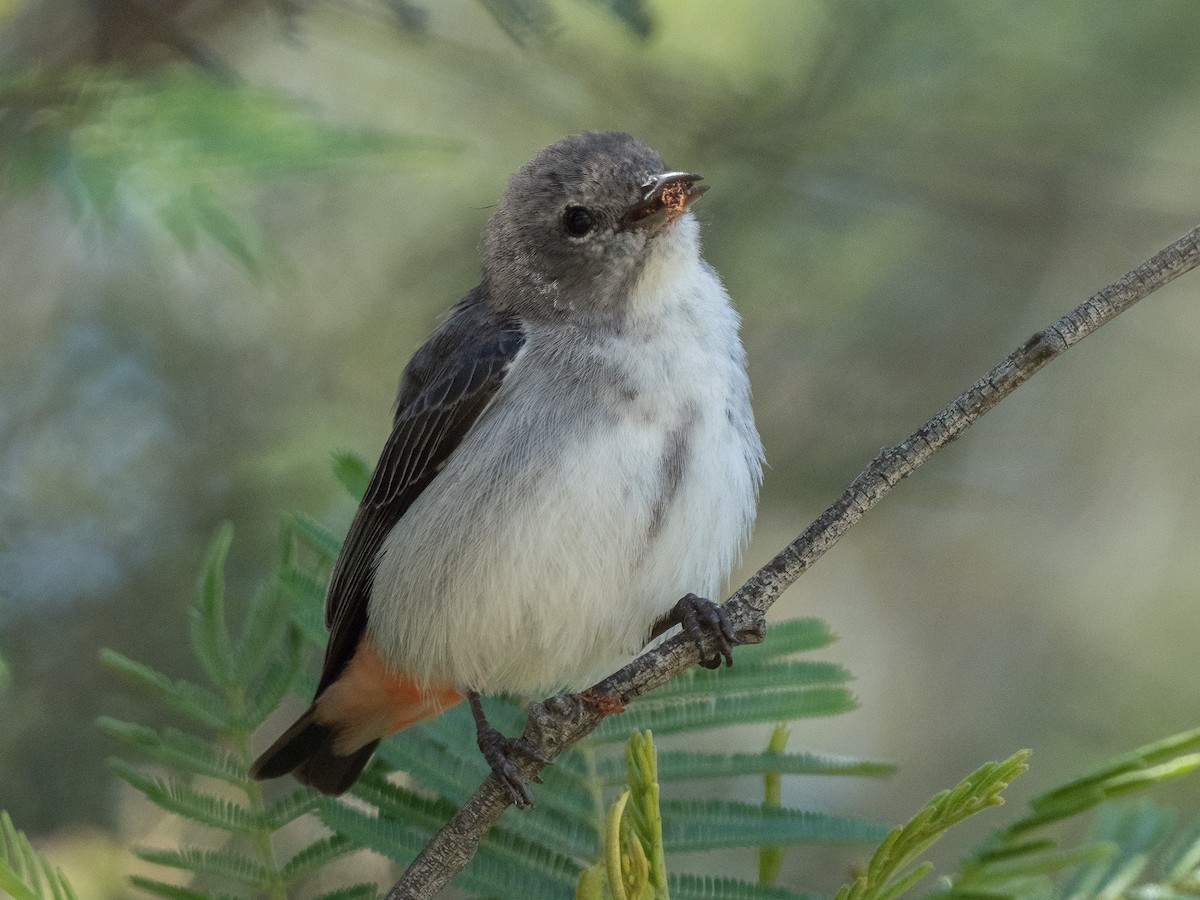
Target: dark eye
point(577, 221)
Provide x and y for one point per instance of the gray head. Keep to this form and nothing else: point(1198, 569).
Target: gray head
point(579, 222)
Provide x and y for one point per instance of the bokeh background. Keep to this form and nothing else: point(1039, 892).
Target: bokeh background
point(225, 226)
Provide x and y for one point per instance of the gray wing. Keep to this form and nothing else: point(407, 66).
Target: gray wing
point(445, 387)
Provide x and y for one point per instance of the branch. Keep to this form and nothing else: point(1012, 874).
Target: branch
point(559, 722)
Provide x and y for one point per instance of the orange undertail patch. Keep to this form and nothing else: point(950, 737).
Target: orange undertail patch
point(369, 701)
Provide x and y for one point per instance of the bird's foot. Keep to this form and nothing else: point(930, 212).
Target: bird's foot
point(700, 618)
point(501, 751)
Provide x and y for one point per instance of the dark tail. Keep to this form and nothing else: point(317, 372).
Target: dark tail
point(306, 750)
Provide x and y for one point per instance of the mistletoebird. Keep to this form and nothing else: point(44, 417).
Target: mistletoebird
point(572, 452)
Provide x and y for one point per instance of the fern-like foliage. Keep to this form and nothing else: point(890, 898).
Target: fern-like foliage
point(541, 853)
point(26, 874)
point(201, 774)
point(634, 865)
point(578, 838)
point(534, 21)
point(174, 148)
point(896, 864)
point(1132, 850)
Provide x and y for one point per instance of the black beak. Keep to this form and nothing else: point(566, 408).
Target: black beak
point(667, 197)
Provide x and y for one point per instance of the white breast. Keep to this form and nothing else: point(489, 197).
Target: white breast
point(611, 476)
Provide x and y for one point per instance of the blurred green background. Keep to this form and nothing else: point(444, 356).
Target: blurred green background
point(226, 225)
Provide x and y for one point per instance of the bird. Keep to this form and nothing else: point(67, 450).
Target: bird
point(573, 469)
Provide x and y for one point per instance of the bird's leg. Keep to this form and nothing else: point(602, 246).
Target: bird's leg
point(499, 750)
point(699, 617)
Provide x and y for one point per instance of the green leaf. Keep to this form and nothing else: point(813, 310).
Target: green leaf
point(592, 884)
point(224, 229)
point(1127, 772)
point(1182, 860)
point(895, 865)
point(315, 536)
point(632, 13)
point(674, 715)
point(553, 830)
point(706, 887)
point(770, 856)
point(277, 680)
point(289, 807)
point(170, 891)
point(308, 606)
point(184, 800)
point(262, 664)
point(226, 864)
point(751, 678)
point(26, 874)
point(787, 638)
point(174, 147)
point(1135, 830)
point(264, 624)
point(1011, 875)
point(394, 804)
point(508, 865)
point(642, 815)
point(563, 819)
point(317, 855)
point(622, 865)
point(504, 866)
point(192, 700)
point(525, 21)
point(711, 824)
point(176, 750)
point(353, 472)
point(362, 891)
point(209, 632)
point(674, 765)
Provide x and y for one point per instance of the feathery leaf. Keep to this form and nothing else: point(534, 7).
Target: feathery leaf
point(352, 471)
point(315, 536)
point(169, 891)
point(289, 807)
point(706, 887)
point(709, 824)
point(264, 620)
point(671, 716)
point(504, 865)
point(228, 864)
point(675, 765)
point(184, 800)
point(317, 854)
point(787, 638)
point(209, 631)
point(363, 891)
point(190, 699)
point(26, 874)
point(895, 865)
point(277, 680)
point(176, 750)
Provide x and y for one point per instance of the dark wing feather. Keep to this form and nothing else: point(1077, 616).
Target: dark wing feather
point(445, 387)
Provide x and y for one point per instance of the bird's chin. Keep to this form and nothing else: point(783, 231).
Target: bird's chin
point(677, 239)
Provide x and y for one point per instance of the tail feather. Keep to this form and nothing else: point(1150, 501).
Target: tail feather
point(332, 774)
point(307, 750)
point(331, 743)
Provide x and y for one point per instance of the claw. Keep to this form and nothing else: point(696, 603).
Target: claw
point(499, 751)
point(700, 617)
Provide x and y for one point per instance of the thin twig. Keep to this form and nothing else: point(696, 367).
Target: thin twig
point(559, 722)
